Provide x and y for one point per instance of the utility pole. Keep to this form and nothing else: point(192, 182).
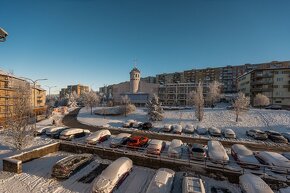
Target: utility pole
point(49, 88)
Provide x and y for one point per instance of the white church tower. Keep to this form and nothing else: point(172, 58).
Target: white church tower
point(134, 80)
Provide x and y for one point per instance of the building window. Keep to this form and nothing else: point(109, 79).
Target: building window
point(279, 79)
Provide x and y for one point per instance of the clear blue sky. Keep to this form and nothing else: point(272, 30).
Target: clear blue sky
point(94, 42)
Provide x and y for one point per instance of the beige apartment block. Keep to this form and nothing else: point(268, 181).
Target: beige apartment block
point(274, 83)
point(178, 94)
point(8, 86)
point(78, 89)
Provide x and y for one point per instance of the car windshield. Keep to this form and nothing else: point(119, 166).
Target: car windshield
point(197, 150)
point(133, 141)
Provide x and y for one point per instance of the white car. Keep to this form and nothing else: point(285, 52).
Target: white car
point(52, 130)
point(217, 152)
point(251, 183)
point(189, 129)
point(155, 146)
point(275, 161)
point(162, 181)
point(98, 136)
point(257, 134)
point(120, 139)
point(244, 156)
point(116, 172)
point(72, 133)
point(129, 123)
point(177, 129)
point(229, 133)
point(42, 130)
point(214, 131)
point(201, 130)
point(175, 148)
point(167, 128)
point(192, 185)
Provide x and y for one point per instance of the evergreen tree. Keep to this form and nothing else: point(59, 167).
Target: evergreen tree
point(155, 111)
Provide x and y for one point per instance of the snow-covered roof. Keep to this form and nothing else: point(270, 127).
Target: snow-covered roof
point(72, 131)
point(98, 134)
point(193, 185)
point(274, 158)
point(162, 181)
point(110, 176)
point(53, 129)
point(254, 184)
point(216, 151)
point(177, 127)
point(229, 131)
point(122, 135)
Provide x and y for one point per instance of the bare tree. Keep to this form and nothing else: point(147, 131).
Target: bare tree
point(126, 102)
point(198, 101)
point(240, 104)
point(261, 100)
point(19, 125)
point(91, 99)
point(213, 93)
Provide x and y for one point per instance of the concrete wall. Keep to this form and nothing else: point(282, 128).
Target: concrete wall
point(14, 163)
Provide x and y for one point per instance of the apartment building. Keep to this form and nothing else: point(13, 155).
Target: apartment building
point(272, 82)
point(8, 86)
point(78, 89)
point(178, 94)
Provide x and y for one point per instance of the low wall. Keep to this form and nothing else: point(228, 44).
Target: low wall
point(14, 163)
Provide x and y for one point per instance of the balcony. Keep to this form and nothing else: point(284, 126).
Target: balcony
point(261, 89)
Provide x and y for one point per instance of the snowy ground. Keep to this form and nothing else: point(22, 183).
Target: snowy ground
point(278, 120)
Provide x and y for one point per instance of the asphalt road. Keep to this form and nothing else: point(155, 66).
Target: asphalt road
point(70, 120)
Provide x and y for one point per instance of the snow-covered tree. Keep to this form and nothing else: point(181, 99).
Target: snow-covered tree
point(240, 104)
point(198, 101)
point(91, 99)
point(126, 102)
point(214, 92)
point(72, 99)
point(19, 121)
point(155, 111)
point(261, 100)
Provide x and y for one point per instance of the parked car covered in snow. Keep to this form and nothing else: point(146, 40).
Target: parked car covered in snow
point(147, 125)
point(276, 137)
point(214, 131)
point(175, 148)
point(244, 156)
point(201, 130)
point(275, 161)
point(251, 183)
point(54, 132)
point(177, 129)
point(229, 133)
point(137, 124)
point(286, 135)
point(72, 133)
point(120, 139)
point(162, 181)
point(286, 154)
point(137, 142)
point(167, 128)
point(192, 185)
point(197, 151)
point(217, 152)
point(129, 123)
point(98, 136)
point(189, 128)
point(257, 134)
point(65, 167)
point(112, 176)
point(155, 146)
point(42, 130)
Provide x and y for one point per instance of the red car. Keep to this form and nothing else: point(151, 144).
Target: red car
point(137, 141)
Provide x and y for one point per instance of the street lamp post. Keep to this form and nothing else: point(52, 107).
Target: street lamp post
point(49, 88)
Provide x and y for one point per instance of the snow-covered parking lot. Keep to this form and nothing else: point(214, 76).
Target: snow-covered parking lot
point(277, 120)
point(36, 178)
